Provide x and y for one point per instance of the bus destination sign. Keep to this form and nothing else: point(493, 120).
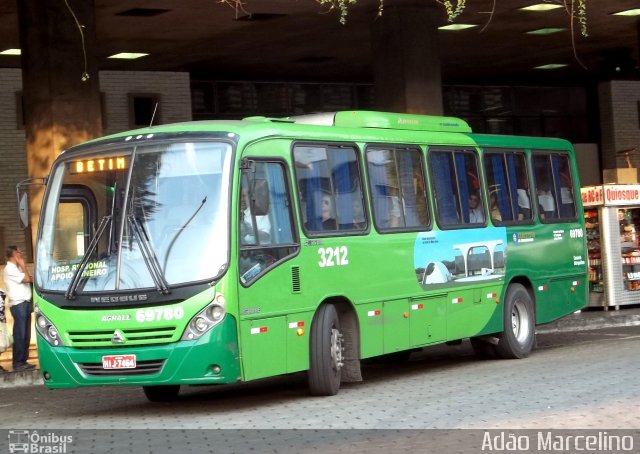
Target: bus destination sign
point(99, 165)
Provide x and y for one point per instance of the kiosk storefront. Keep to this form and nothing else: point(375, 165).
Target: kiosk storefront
point(612, 215)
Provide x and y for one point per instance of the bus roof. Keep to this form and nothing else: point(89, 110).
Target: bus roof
point(379, 120)
point(359, 125)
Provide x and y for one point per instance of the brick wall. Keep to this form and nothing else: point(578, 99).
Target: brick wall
point(12, 156)
point(619, 121)
point(173, 89)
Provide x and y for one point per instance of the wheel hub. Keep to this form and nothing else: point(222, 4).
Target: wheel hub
point(520, 322)
point(337, 349)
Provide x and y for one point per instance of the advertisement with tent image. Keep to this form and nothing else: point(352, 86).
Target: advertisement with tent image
point(446, 258)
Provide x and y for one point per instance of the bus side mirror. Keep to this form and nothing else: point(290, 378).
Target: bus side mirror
point(22, 191)
point(23, 209)
point(260, 197)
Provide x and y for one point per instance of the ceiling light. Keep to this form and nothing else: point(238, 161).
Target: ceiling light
point(629, 12)
point(551, 66)
point(11, 52)
point(540, 7)
point(128, 55)
point(545, 31)
point(456, 27)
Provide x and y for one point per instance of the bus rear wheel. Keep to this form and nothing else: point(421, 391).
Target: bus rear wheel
point(518, 337)
point(326, 352)
point(162, 393)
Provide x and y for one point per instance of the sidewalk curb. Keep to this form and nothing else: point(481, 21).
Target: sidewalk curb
point(16, 379)
point(598, 322)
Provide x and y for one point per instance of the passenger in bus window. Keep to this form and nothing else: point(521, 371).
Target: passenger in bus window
point(328, 213)
point(567, 208)
point(247, 234)
point(359, 221)
point(546, 201)
point(476, 213)
point(524, 205)
point(494, 209)
point(394, 212)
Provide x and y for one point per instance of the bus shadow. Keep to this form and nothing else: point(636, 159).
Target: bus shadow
point(285, 390)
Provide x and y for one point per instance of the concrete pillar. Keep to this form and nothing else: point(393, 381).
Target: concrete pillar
point(60, 109)
point(407, 61)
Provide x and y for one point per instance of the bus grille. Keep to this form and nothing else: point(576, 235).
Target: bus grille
point(96, 339)
point(142, 368)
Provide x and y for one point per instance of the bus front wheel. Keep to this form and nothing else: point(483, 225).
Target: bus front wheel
point(162, 393)
point(519, 333)
point(326, 352)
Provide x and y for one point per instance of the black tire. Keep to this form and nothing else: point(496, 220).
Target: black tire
point(519, 335)
point(163, 393)
point(483, 349)
point(326, 352)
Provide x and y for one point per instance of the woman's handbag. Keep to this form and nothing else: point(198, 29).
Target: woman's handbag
point(6, 339)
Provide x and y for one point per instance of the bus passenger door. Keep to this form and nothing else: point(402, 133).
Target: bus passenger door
point(267, 243)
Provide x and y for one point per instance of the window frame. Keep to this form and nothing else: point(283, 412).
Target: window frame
point(286, 175)
point(298, 191)
point(425, 187)
point(453, 150)
point(549, 154)
point(504, 152)
point(156, 112)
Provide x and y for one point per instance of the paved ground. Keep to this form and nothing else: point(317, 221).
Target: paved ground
point(575, 379)
point(586, 379)
point(580, 321)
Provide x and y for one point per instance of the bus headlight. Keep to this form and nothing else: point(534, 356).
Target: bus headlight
point(206, 319)
point(47, 330)
point(201, 324)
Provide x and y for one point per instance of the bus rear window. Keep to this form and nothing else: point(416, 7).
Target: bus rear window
point(554, 187)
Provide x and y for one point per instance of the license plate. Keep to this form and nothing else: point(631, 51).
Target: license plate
point(119, 362)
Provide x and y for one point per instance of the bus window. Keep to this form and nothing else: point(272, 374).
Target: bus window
point(508, 188)
point(73, 224)
point(457, 188)
point(265, 224)
point(564, 186)
point(329, 189)
point(397, 185)
point(554, 187)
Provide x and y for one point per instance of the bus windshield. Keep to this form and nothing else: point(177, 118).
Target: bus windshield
point(136, 218)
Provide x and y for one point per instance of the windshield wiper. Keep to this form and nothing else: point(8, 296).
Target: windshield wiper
point(75, 280)
point(149, 256)
point(180, 230)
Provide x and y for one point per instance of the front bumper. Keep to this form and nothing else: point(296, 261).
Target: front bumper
point(178, 363)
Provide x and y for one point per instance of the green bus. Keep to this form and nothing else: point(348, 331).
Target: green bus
point(222, 251)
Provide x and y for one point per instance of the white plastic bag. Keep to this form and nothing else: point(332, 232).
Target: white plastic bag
point(6, 339)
